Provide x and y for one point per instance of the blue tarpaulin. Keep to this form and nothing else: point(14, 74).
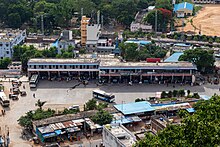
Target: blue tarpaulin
point(190, 110)
point(48, 135)
point(58, 132)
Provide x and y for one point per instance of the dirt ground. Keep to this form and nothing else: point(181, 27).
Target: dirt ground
point(209, 19)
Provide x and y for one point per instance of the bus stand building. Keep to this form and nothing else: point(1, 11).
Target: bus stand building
point(113, 70)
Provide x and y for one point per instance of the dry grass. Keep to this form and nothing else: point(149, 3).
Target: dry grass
point(209, 19)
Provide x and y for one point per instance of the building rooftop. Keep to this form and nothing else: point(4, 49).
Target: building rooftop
point(62, 61)
point(174, 57)
point(183, 5)
point(93, 32)
point(163, 65)
point(170, 106)
point(132, 108)
point(9, 34)
point(124, 136)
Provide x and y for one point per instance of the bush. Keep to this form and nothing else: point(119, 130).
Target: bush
point(163, 94)
point(170, 94)
point(181, 93)
point(196, 95)
point(175, 93)
point(139, 99)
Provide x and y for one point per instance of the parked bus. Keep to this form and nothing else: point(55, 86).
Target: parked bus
point(102, 95)
point(34, 81)
point(4, 100)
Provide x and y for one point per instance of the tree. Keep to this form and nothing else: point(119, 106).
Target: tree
point(175, 93)
point(102, 117)
point(163, 94)
point(170, 94)
point(91, 105)
point(40, 103)
point(188, 92)
point(195, 38)
point(181, 93)
point(166, 4)
point(203, 59)
point(139, 100)
point(4, 63)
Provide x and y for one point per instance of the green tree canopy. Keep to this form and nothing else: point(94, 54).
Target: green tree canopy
point(102, 117)
point(203, 59)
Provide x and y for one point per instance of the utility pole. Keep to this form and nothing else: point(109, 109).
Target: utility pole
point(81, 12)
point(156, 21)
point(182, 36)
point(42, 24)
point(102, 21)
point(98, 17)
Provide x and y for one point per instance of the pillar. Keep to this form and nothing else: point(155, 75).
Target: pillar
point(48, 73)
point(109, 79)
point(58, 73)
point(140, 78)
point(130, 77)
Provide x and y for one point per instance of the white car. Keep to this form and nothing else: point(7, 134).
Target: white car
point(74, 107)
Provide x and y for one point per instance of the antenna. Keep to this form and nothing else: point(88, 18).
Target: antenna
point(42, 24)
point(156, 21)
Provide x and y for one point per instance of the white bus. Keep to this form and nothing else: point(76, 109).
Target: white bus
point(4, 100)
point(34, 81)
point(102, 95)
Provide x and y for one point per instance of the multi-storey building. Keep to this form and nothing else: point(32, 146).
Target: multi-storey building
point(109, 69)
point(64, 67)
point(8, 39)
point(93, 34)
point(117, 136)
point(84, 22)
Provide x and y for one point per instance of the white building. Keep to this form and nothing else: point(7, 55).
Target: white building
point(139, 26)
point(8, 39)
point(66, 40)
point(93, 34)
point(117, 136)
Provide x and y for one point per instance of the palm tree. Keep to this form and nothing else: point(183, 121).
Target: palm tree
point(40, 103)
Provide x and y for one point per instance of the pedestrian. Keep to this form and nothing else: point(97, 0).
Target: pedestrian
point(34, 95)
point(23, 86)
point(2, 113)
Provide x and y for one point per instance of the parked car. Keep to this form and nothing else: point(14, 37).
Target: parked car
point(23, 93)
point(13, 96)
point(74, 107)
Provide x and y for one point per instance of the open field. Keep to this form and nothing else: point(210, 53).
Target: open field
point(209, 19)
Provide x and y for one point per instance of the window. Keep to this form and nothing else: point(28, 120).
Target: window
point(56, 66)
point(7, 45)
point(49, 66)
point(64, 66)
point(34, 66)
point(0, 44)
point(7, 52)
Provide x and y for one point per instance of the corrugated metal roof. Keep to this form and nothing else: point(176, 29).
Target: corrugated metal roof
point(174, 57)
point(132, 108)
point(183, 5)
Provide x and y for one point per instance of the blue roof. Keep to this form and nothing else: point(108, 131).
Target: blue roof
point(182, 45)
point(55, 44)
point(132, 108)
point(205, 97)
point(183, 5)
point(190, 110)
point(141, 42)
point(174, 57)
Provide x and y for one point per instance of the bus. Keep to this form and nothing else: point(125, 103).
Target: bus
point(34, 81)
point(4, 100)
point(102, 95)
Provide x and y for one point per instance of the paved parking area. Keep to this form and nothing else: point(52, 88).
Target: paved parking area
point(58, 94)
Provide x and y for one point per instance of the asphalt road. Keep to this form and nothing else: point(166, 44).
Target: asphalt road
point(58, 93)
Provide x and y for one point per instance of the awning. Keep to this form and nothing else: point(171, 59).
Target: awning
point(190, 110)
point(49, 135)
point(58, 132)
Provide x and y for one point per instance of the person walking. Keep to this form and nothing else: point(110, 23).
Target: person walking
point(34, 95)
